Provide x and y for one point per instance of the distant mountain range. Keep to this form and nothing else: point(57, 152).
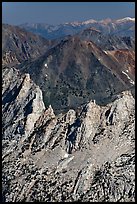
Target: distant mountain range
point(120, 27)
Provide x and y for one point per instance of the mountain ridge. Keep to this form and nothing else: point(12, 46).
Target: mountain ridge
point(67, 71)
point(19, 45)
point(68, 118)
point(70, 71)
point(65, 157)
point(121, 27)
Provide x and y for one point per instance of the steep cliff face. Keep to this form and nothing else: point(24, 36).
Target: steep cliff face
point(83, 155)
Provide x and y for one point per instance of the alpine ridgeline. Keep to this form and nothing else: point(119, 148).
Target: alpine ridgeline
point(68, 116)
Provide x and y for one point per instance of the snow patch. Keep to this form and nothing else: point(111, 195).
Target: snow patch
point(125, 19)
point(126, 74)
point(46, 65)
point(89, 21)
point(131, 81)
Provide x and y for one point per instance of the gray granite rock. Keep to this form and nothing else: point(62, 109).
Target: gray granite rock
point(84, 155)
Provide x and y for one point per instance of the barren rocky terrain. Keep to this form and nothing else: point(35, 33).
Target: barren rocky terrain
point(82, 155)
point(19, 45)
point(82, 149)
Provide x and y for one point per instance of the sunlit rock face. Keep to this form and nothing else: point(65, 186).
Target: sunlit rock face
point(68, 157)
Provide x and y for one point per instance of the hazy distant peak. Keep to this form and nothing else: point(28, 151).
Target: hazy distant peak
point(120, 27)
point(107, 20)
point(89, 21)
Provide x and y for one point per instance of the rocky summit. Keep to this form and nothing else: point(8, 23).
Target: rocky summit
point(75, 71)
point(68, 119)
